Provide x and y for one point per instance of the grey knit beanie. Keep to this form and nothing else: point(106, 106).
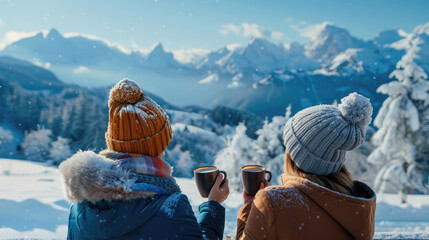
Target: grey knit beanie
point(318, 137)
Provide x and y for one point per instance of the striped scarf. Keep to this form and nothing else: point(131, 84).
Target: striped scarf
point(139, 163)
point(152, 174)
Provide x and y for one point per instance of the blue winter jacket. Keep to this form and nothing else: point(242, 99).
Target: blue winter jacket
point(158, 217)
point(112, 203)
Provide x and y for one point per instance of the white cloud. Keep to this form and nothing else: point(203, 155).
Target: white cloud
point(254, 30)
point(277, 35)
point(37, 62)
point(230, 28)
point(80, 69)
point(134, 45)
point(1, 22)
point(289, 19)
point(310, 31)
point(233, 46)
point(13, 36)
point(211, 78)
point(193, 55)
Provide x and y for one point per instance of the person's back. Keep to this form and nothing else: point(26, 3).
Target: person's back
point(127, 191)
point(318, 198)
point(300, 209)
point(103, 209)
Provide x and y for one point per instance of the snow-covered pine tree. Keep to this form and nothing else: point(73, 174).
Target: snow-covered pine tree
point(202, 145)
point(36, 144)
point(239, 151)
point(52, 116)
point(7, 143)
point(269, 145)
point(78, 127)
point(60, 150)
point(402, 139)
point(183, 161)
point(96, 127)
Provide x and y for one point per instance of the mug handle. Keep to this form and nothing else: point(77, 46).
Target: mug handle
point(269, 179)
point(224, 178)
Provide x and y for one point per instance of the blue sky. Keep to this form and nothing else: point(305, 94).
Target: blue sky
point(207, 24)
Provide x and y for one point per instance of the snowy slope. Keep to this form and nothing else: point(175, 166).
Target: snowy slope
point(358, 61)
point(32, 205)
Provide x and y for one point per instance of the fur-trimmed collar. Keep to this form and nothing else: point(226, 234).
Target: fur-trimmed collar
point(92, 177)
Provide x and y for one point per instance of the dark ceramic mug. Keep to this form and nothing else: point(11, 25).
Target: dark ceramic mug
point(253, 175)
point(205, 178)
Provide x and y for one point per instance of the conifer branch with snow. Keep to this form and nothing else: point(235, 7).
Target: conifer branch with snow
point(402, 139)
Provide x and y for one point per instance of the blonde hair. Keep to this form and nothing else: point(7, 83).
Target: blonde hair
point(341, 181)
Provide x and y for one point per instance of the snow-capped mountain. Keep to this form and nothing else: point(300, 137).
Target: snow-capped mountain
point(159, 58)
point(330, 40)
point(249, 64)
point(260, 76)
point(54, 49)
point(210, 60)
point(358, 61)
point(259, 54)
point(388, 37)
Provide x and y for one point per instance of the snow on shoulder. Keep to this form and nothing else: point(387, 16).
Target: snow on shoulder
point(356, 109)
point(290, 197)
point(170, 204)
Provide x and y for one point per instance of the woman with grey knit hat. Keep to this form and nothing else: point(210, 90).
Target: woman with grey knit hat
point(318, 198)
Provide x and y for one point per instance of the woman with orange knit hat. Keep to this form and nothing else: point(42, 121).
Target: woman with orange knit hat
point(127, 191)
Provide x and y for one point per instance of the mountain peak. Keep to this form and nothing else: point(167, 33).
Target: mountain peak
point(159, 57)
point(54, 31)
point(388, 37)
point(331, 28)
point(314, 31)
point(327, 40)
point(327, 30)
point(54, 34)
point(158, 48)
point(258, 41)
point(260, 45)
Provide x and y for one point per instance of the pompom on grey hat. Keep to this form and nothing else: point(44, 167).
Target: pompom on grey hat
point(318, 137)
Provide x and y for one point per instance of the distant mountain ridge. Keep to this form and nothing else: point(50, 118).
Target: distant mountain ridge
point(262, 77)
point(34, 99)
point(29, 76)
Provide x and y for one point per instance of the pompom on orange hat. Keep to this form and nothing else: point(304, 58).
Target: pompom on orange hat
point(137, 124)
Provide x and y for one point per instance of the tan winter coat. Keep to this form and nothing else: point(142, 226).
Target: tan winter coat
point(301, 209)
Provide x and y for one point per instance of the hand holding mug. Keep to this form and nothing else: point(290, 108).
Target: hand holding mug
point(219, 191)
point(212, 183)
point(249, 199)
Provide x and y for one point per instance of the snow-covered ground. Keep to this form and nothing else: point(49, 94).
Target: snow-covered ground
point(32, 206)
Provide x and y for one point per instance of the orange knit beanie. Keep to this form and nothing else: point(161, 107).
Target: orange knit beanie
point(137, 124)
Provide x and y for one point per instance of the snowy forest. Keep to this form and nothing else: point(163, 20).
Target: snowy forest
point(229, 75)
point(47, 120)
point(53, 126)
